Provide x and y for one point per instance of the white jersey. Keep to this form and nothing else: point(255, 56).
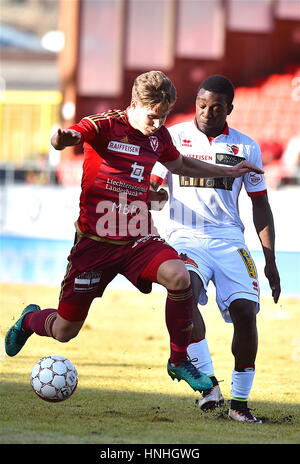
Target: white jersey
point(208, 207)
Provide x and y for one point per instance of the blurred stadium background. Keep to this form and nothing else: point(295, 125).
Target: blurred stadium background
point(63, 59)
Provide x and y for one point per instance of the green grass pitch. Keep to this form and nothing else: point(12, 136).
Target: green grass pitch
point(124, 394)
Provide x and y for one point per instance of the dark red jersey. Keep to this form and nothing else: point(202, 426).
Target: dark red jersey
point(118, 161)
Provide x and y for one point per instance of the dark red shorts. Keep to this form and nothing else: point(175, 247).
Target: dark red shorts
point(93, 265)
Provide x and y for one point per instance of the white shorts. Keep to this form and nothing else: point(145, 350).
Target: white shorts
point(227, 264)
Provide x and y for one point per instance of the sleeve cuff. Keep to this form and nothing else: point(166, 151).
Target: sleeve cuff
point(157, 179)
point(257, 194)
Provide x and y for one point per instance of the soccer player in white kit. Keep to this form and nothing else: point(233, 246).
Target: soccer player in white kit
point(206, 230)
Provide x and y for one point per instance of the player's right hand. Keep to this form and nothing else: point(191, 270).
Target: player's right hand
point(68, 137)
point(272, 274)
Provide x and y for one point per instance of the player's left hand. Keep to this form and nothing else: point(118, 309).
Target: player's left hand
point(272, 274)
point(244, 167)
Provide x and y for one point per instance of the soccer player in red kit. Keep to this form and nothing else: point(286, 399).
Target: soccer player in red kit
point(114, 231)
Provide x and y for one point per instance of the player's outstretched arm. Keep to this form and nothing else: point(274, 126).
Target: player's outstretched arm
point(65, 138)
point(191, 167)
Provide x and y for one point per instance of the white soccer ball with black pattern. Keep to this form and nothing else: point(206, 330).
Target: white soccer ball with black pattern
point(54, 378)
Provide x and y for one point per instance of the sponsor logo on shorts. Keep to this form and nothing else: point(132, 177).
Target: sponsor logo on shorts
point(153, 237)
point(87, 281)
point(255, 285)
point(127, 148)
point(188, 260)
point(250, 266)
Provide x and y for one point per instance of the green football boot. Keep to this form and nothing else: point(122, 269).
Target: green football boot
point(188, 372)
point(16, 337)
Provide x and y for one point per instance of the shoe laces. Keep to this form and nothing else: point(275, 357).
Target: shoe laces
point(187, 364)
point(20, 334)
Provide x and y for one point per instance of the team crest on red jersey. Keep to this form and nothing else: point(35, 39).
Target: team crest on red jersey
point(153, 142)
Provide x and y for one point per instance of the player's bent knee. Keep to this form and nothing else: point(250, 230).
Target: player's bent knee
point(64, 330)
point(179, 281)
point(243, 311)
point(64, 334)
point(65, 337)
point(173, 275)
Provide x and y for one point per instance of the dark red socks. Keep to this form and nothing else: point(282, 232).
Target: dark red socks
point(179, 310)
point(40, 322)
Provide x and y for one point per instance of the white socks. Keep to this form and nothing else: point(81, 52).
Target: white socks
point(200, 352)
point(242, 383)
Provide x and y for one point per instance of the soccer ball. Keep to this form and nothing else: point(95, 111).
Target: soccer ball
point(54, 378)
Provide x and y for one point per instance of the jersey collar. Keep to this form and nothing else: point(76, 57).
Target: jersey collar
point(211, 139)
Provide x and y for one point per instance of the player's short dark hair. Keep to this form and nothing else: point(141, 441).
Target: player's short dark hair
point(218, 84)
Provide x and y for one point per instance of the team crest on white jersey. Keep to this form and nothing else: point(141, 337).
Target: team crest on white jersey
point(233, 149)
point(153, 142)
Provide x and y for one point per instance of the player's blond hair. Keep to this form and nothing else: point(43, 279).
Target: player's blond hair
point(153, 88)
